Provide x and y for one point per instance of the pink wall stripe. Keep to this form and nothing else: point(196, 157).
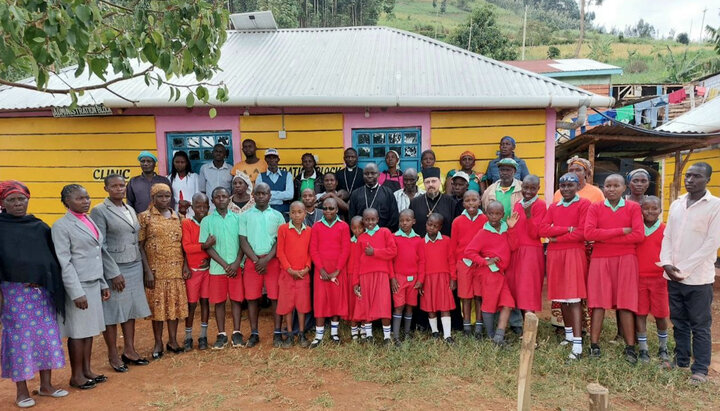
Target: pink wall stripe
point(550, 118)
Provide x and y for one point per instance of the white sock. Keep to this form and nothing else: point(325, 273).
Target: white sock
point(446, 326)
point(354, 331)
point(386, 331)
point(569, 334)
point(334, 327)
point(368, 330)
point(319, 333)
point(577, 345)
point(433, 324)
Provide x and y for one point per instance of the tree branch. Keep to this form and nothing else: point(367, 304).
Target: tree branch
point(67, 91)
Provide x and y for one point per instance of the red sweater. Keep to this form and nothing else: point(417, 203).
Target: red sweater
point(330, 247)
point(410, 258)
point(440, 257)
point(191, 243)
point(528, 229)
point(353, 260)
point(648, 253)
point(487, 244)
point(293, 249)
point(558, 219)
point(463, 231)
point(384, 248)
point(605, 227)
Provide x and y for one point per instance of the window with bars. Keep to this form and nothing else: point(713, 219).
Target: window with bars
point(198, 146)
point(373, 144)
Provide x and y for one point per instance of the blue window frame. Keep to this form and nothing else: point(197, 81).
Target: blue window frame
point(373, 144)
point(198, 146)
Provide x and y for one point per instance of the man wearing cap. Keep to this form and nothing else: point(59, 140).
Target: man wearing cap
point(433, 201)
point(460, 183)
point(373, 195)
point(253, 165)
point(507, 190)
point(280, 182)
point(216, 173)
point(507, 150)
point(583, 169)
point(138, 188)
point(409, 191)
point(467, 165)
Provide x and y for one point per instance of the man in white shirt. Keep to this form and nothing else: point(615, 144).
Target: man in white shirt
point(689, 251)
point(216, 173)
point(409, 191)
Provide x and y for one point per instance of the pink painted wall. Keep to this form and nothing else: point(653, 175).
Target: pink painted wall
point(382, 119)
point(550, 118)
point(194, 122)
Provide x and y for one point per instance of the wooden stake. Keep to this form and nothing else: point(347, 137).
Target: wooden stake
point(527, 353)
point(599, 397)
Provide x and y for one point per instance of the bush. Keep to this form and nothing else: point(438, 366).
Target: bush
point(553, 52)
point(683, 38)
point(621, 37)
point(636, 66)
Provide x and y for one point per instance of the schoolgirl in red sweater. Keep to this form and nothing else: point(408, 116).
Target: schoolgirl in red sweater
point(409, 268)
point(469, 282)
point(440, 278)
point(526, 271)
point(616, 226)
point(329, 249)
point(564, 226)
point(372, 278)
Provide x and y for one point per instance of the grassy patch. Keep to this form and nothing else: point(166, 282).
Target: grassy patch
point(324, 400)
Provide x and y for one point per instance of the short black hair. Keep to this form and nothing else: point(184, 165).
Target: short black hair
point(706, 166)
point(350, 149)
point(218, 188)
point(68, 190)
point(109, 177)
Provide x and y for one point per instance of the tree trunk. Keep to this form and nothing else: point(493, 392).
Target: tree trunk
point(582, 29)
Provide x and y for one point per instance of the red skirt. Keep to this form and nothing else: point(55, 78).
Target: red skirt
point(437, 295)
point(375, 302)
point(351, 298)
point(525, 276)
point(613, 283)
point(496, 293)
point(330, 298)
point(566, 270)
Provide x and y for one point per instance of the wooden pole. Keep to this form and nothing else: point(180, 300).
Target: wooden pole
point(591, 157)
point(527, 353)
point(599, 397)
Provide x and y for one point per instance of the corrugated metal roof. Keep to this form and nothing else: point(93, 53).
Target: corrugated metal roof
point(702, 119)
point(553, 68)
point(349, 66)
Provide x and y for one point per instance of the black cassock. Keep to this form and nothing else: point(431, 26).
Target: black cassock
point(379, 198)
point(349, 180)
point(423, 205)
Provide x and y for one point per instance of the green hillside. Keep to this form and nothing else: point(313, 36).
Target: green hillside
point(644, 60)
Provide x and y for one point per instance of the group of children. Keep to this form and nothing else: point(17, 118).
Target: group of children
point(363, 273)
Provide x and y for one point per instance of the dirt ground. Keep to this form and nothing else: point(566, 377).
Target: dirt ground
point(264, 378)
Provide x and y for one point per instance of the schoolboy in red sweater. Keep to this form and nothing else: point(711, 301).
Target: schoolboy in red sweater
point(526, 271)
point(490, 249)
point(409, 267)
point(356, 228)
point(198, 284)
point(440, 278)
point(616, 226)
point(372, 278)
point(330, 248)
point(469, 283)
point(293, 252)
point(564, 227)
point(653, 291)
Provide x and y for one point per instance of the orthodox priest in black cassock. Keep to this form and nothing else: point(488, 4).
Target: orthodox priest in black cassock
point(373, 195)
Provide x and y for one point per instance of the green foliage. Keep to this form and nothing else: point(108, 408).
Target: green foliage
point(681, 68)
point(175, 37)
point(642, 29)
point(714, 37)
point(318, 13)
point(553, 52)
point(683, 38)
point(482, 35)
point(601, 49)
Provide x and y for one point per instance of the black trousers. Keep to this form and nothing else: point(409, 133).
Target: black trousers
point(691, 316)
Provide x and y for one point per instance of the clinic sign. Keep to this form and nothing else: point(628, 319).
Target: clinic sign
point(82, 111)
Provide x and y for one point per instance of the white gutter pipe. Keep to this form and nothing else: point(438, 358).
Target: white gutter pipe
point(579, 121)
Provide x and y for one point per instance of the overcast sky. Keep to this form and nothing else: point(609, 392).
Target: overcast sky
point(665, 15)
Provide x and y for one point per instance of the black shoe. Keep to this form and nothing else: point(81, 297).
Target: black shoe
point(175, 350)
point(252, 341)
point(335, 339)
point(202, 343)
point(220, 342)
point(139, 361)
point(188, 344)
point(100, 379)
point(517, 330)
point(157, 355)
point(121, 368)
point(315, 343)
point(595, 351)
point(479, 336)
point(435, 335)
point(85, 386)
point(663, 354)
point(397, 342)
point(277, 340)
point(630, 355)
point(644, 356)
point(467, 333)
point(572, 357)
point(449, 341)
point(237, 340)
point(303, 341)
point(388, 342)
point(500, 344)
point(289, 341)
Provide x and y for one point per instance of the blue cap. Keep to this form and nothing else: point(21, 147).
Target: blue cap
point(148, 155)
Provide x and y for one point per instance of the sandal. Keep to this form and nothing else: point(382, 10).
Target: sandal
point(157, 355)
point(26, 403)
point(59, 393)
point(697, 379)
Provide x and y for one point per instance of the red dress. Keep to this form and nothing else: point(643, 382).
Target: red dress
point(613, 274)
point(293, 251)
point(488, 243)
point(566, 259)
point(373, 275)
point(409, 268)
point(652, 287)
point(463, 230)
point(329, 249)
point(526, 271)
point(437, 295)
point(352, 263)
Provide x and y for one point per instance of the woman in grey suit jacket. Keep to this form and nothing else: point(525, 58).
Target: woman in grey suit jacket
point(119, 226)
point(85, 266)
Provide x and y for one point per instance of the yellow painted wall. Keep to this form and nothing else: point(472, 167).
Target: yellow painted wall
point(320, 134)
point(480, 132)
point(47, 153)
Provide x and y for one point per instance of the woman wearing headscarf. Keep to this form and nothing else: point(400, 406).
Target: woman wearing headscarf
point(31, 293)
point(85, 265)
point(583, 169)
point(164, 266)
point(427, 160)
point(639, 182)
point(242, 199)
point(392, 177)
point(507, 150)
point(119, 226)
point(467, 164)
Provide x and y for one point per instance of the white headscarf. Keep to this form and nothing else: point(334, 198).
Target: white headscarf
point(246, 179)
